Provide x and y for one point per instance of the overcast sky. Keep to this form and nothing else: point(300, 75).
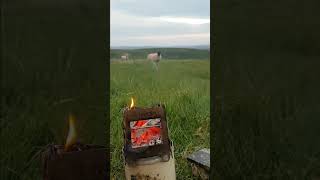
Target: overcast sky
point(160, 22)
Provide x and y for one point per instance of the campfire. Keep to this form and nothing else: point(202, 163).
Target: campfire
point(145, 133)
point(74, 160)
point(148, 151)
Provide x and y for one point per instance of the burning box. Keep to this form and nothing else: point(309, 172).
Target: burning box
point(74, 161)
point(83, 162)
point(148, 151)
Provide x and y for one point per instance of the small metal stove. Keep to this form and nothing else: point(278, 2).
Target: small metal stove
point(81, 162)
point(148, 151)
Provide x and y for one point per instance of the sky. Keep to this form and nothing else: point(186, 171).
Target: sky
point(160, 22)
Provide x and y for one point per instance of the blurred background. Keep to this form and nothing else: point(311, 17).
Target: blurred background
point(265, 79)
point(53, 63)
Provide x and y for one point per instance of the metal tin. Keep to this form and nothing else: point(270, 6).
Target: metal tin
point(88, 162)
point(163, 150)
point(154, 162)
point(152, 168)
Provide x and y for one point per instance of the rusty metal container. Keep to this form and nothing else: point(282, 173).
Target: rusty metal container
point(83, 162)
point(148, 151)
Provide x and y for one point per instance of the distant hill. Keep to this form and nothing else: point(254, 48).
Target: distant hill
point(206, 46)
point(167, 53)
point(200, 46)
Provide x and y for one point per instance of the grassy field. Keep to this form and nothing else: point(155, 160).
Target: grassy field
point(266, 83)
point(167, 53)
point(182, 85)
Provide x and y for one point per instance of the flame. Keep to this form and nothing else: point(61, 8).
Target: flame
point(72, 134)
point(132, 103)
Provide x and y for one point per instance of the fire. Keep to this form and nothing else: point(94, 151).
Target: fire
point(145, 133)
point(132, 103)
point(72, 134)
point(144, 137)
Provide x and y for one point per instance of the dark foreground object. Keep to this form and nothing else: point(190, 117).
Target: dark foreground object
point(200, 163)
point(83, 162)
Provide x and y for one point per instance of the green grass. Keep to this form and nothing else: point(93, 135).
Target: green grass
point(49, 68)
point(182, 85)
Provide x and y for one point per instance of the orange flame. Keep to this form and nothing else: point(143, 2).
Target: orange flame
point(132, 103)
point(72, 134)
